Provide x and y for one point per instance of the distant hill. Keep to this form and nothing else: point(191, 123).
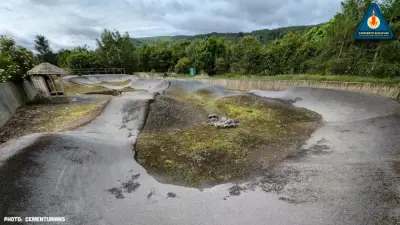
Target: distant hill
point(264, 35)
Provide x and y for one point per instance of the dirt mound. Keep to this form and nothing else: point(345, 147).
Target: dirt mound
point(178, 146)
point(169, 114)
point(203, 91)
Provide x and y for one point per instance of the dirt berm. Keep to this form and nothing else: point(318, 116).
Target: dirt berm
point(178, 146)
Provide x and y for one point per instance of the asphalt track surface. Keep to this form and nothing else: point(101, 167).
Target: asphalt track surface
point(346, 173)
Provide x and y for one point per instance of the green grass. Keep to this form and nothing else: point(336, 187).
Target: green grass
point(44, 118)
point(338, 78)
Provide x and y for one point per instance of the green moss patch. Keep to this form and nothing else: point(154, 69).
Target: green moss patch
point(45, 118)
point(177, 145)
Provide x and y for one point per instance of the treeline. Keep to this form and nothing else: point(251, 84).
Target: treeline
point(324, 49)
point(264, 36)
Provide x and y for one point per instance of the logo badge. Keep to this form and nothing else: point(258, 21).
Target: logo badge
point(373, 26)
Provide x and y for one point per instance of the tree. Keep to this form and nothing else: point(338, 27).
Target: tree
point(82, 60)
point(221, 66)
point(327, 48)
point(144, 54)
point(78, 58)
point(178, 51)
point(161, 58)
point(206, 52)
point(62, 59)
point(8, 69)
point(15, 60)
point(116, 50)
point(246, 55)
point(190, 50)
point(183, 65)
point(45, 53)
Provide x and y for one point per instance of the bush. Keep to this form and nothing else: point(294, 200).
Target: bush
point(15, 61)
point(183, 65)
point(221, 66)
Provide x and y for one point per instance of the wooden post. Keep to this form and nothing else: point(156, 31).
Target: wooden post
point(54, 85)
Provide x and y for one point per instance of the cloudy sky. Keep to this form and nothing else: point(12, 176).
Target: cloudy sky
point(76, 22)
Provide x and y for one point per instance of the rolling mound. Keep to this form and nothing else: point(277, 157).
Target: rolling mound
point(178, 146)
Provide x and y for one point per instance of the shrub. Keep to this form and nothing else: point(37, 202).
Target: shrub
point(15, 61)
point(183, 65)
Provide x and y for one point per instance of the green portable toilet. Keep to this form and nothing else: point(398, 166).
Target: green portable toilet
point(192, 72)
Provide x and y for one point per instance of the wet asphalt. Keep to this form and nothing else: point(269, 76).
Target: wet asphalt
point(346, 173)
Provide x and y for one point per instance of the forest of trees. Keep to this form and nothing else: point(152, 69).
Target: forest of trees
point(264, 36)
point(327, 48)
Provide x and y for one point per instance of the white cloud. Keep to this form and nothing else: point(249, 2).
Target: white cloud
point(69, 23)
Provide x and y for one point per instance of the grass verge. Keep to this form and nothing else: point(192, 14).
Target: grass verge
point(49, 118)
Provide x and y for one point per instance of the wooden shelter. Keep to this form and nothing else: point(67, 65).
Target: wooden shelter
point(42, 77)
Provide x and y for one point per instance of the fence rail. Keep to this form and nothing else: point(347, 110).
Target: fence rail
point(90, 71)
